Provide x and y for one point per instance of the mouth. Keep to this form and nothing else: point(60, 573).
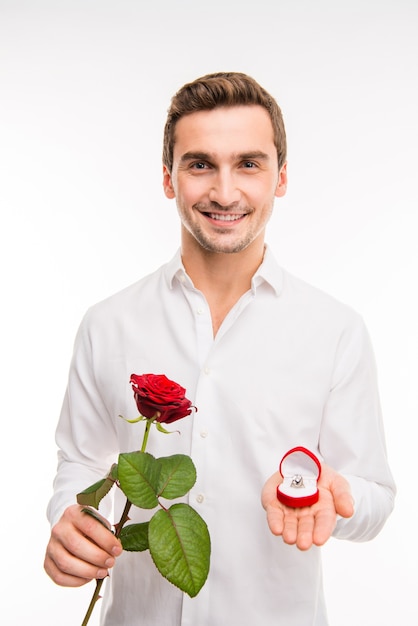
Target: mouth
point(225, 217)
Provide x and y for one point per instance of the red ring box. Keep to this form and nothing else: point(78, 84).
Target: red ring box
point(299, 463)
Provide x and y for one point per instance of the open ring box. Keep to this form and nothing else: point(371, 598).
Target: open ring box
point(301, 471)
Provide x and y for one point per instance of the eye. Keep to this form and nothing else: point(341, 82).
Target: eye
point(249, 165)
point(198, 165)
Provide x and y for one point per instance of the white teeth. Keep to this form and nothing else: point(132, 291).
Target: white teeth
point(225, 217)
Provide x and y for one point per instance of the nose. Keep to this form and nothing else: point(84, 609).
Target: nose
point(224, 190)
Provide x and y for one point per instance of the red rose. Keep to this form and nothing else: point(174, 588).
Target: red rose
point(155, 392)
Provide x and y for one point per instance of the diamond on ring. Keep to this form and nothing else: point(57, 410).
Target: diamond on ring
point(297, 481)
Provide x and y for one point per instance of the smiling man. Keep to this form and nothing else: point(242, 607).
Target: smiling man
point(225, 175)
point(272, 365)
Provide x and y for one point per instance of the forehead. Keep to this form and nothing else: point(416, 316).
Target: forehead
point(239, 128)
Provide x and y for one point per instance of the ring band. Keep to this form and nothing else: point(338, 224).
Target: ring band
point(297, 481)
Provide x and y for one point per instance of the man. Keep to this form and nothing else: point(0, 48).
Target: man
point(270, 362)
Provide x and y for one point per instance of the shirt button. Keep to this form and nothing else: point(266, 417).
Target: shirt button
point(200, 498)
point(200, 311)
point(204, 434)
point(207, 370)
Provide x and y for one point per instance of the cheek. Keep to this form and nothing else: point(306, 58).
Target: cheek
point(259, 193)
point(191, 191)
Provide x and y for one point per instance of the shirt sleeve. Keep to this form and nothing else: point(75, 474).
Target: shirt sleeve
point(86, 435)
point(352, 437)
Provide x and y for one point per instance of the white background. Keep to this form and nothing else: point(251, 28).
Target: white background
point(84, 89)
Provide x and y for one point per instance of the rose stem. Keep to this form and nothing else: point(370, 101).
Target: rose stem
point(93, 601)
point(118, 528)
point(146, 433)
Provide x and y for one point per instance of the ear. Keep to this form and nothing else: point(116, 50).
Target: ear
point(168, 184)
point(282, 182)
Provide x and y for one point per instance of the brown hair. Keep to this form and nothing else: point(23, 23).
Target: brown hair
point(217, 90)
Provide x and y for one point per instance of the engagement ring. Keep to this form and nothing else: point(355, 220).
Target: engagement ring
point(297, 481)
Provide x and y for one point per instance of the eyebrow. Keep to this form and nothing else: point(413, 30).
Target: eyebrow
point(191, 156)
point(241, 156)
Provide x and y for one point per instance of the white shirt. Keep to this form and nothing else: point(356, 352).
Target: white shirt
point(289, 366)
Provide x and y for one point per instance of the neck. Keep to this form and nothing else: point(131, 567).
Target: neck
point(217, 270)
point(222, 277)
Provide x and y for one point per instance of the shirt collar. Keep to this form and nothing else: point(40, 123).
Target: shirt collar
point(269, 273)
point(175, 270)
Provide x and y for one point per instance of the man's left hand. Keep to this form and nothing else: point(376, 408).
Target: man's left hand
point(310, 525)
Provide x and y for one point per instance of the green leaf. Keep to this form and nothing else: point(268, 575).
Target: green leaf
point(179, 544)
point(177, 477)
point(138, 474)
point(161, 429)
point(95, 493)
point(134, 537)
point(113, 472)
point(140, 418)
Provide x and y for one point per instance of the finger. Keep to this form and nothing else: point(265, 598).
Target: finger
point(325, 521)
point(82, 547)
point(340, 490)
point(343, 500)
point(94, 530)
point(290, 525)
point(68, 570)
point(275, 519)
point(271, 505)
point(305, 530)
point(65, 579)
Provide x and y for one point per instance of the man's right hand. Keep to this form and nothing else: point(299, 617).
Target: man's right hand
point(80, 549)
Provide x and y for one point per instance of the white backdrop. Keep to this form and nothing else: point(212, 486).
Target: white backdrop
point(84, 89)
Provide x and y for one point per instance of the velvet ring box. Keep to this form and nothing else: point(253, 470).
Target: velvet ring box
point(301, 470)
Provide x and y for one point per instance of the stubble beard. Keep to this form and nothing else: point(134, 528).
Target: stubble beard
point(214, 243)
point(218, 247)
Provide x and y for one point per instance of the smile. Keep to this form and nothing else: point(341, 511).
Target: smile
point(225, 217)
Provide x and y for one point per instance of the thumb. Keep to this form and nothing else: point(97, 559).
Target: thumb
point(341, 492)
